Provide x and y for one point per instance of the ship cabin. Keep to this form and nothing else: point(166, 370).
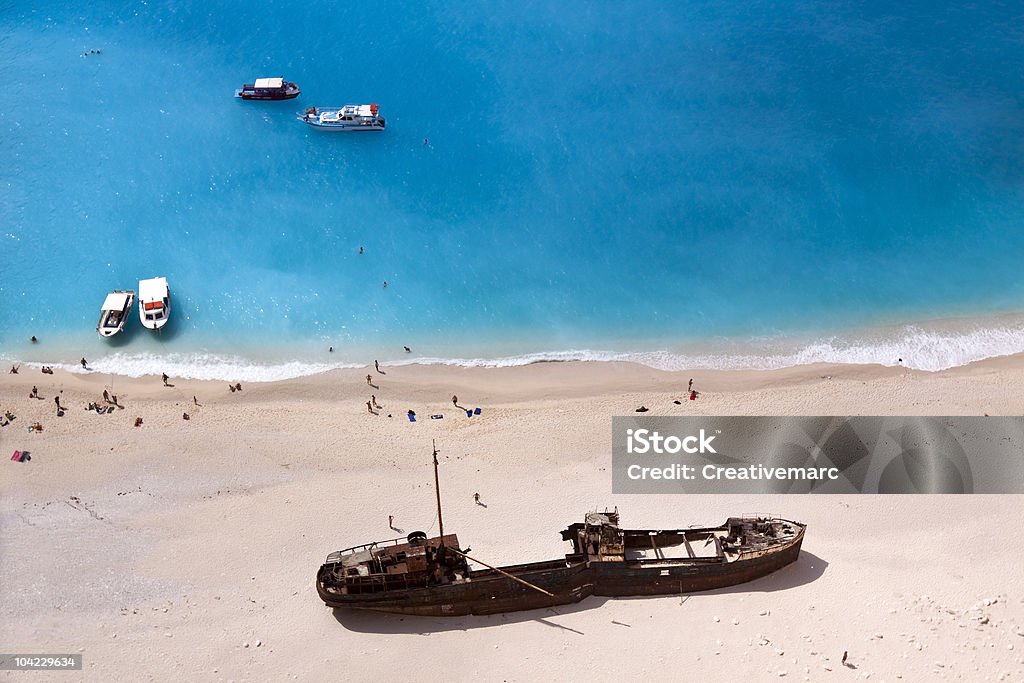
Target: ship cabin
point(412, 562)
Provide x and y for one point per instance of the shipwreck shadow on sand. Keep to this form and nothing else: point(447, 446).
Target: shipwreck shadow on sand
point(807, 569)
point(381, 622)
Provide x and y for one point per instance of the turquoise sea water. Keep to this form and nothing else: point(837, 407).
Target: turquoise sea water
point(685, 184)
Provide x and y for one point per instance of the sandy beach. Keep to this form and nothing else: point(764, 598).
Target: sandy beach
point(187, 549)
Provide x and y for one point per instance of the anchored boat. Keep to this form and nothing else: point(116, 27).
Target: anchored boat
point(351, 117)
point(116, 309)
point(268, 89)
point(154, 302)
point(432, 576)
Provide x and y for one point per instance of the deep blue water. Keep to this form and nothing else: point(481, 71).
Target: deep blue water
point(695, 183)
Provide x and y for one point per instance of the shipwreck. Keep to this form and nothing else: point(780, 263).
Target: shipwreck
point(433, 577)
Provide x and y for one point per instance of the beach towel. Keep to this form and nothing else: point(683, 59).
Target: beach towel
point(16, 457)
point(469, 413)
point(412, 417)
point(476, 411)
point(437, 417)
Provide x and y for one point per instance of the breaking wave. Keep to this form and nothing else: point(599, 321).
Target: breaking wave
point(914, 347)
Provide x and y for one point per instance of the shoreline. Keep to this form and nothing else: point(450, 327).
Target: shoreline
point(932, 346)
point(981, 382)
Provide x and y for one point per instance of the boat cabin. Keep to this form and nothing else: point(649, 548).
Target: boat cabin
point(365, 114)
point(268, 84)
point(399, 563)
point(115, 305)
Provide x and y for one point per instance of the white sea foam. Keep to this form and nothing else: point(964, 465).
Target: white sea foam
point(937, 348)
point(912, 347)
point(203, 366)
point(524, 359)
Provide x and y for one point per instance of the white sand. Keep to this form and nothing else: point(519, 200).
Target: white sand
point(160, 551)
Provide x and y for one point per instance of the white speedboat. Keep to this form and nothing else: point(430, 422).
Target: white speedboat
point(351, 117)
point(154, 302)
point(117, 307)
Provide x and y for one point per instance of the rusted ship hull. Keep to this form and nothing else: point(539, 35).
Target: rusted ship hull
point(622, 563)
point(670, 578)
point(487, 592)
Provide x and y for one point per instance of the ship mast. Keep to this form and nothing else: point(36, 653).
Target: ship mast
point(441, 546)
point(437, 490)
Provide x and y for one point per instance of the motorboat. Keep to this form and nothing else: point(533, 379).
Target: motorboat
point(154, 302)
point(268, 89)
point(351, 117)
point(117, 307)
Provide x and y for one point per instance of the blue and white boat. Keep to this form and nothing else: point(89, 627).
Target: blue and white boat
point(351, 117)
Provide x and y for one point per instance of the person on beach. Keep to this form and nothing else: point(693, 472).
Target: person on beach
point(369, 380)
point(455, 400)
point(476, 498)
point(361, 250)
point(391, 521)
point(330, 349)
point(46, 370)
point(113, 399)
point(195, 400)
point(407, 349)
point(184, 416)
point(369, 408)
point(385, 284)
point(84, 364)
point(373, 399)
point(14, 370)
point(232, 388)
point(164, 377)
point(33, 339)
point(689, 387)
point(106, 396)
point(376, 366)
point(693, 395)
point(35, 392)
point(56, 400)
